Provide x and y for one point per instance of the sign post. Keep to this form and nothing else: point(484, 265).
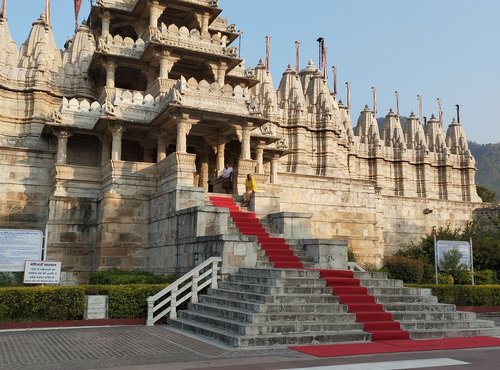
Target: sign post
point(441, 247)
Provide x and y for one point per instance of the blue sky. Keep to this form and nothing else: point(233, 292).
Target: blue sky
point(435, 48)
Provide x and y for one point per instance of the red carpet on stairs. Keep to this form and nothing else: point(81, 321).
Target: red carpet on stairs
point(375, 320)
point(278, 252)
point(393, 346)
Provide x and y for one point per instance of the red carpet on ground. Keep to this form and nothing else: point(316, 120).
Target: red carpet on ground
point(394, 346)
point(277, 250)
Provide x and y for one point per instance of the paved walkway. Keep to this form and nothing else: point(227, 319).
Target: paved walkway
point(153, 348)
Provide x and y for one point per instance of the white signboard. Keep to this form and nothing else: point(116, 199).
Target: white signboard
point(17, 246)
point(42, 272)
point(464, 248)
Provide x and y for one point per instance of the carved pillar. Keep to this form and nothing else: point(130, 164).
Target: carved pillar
point(105, 149)
point(260, 157)
point(183, 129)
point(219, 71)
point(110, 73)
point(62, 146)
point(204, 170)
point(205, 21)
point(162, 148)
point(116, 145)
point(245, 141)
point(105, 22)
point(155, 11)
point(167, 61)
point(220, 158)
point(274, 169)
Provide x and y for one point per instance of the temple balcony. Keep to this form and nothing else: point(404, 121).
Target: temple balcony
point(192, 40)
point(122, 47)
point(129, 5)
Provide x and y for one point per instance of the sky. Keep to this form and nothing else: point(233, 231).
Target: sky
point(433, 48)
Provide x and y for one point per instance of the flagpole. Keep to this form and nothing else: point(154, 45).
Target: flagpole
point(420, 109)
point(348, 87)
point(374, 93)
point(268, 51)
point(325, 64)
point(335, 80)
point(297, 57)
point(3, 15)
point(397, 104)
point(47, 12)
point(440, 111)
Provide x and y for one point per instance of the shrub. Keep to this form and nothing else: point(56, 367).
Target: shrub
point(466, 295)
point(484, 277)
point(445, 279)
point(407, 269)
point(117, 277)
point(41, 303)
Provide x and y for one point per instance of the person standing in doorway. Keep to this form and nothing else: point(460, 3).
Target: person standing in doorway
point(227, 178)
point(250, 189)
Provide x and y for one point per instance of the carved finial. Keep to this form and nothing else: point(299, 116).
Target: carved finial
point(367, 107)
point(433, 117)
point(390, 111)
point(412, 115)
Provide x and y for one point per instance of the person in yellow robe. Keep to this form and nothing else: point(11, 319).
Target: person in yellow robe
point(250, 189)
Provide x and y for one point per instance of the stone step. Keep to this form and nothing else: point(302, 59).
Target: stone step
point(275, 298)
point(279, 273)
point(403, 316)
point(270, 340)
point(379, 291)
point(327, 305)
point(264, 289)
point(258, 280)
point(441, 325)
point(321, 313)
point(386, 299)
point(370, 275)
point(273, 327)
point(451, 333)
point(369, 282)
point(417, 307)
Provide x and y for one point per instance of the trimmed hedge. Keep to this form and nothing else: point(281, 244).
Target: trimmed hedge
point(465, 295)
point(41, 303)
point(118, 277)
point(61, 303)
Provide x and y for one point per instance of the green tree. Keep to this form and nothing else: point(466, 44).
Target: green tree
point(486, 194)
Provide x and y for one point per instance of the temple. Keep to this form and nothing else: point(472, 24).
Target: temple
point(114, 144)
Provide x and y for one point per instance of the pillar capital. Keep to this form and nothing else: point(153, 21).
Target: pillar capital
point(62, 134)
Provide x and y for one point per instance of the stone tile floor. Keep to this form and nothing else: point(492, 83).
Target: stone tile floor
point(124, 346)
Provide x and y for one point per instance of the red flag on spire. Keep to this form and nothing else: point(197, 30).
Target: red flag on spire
point(78, 4)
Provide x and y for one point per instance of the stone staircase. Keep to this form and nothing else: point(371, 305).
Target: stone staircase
point(263, 307)
point(272, 306)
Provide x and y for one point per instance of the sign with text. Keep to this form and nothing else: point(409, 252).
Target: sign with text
point(443, 246)
point(17, 246)
point(42, 272)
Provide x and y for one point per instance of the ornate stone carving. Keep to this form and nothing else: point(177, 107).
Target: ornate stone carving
point(268, 129)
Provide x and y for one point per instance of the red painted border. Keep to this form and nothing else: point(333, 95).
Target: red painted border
point(70, 324)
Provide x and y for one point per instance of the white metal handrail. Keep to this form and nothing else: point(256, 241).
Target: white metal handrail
point(188, 286)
